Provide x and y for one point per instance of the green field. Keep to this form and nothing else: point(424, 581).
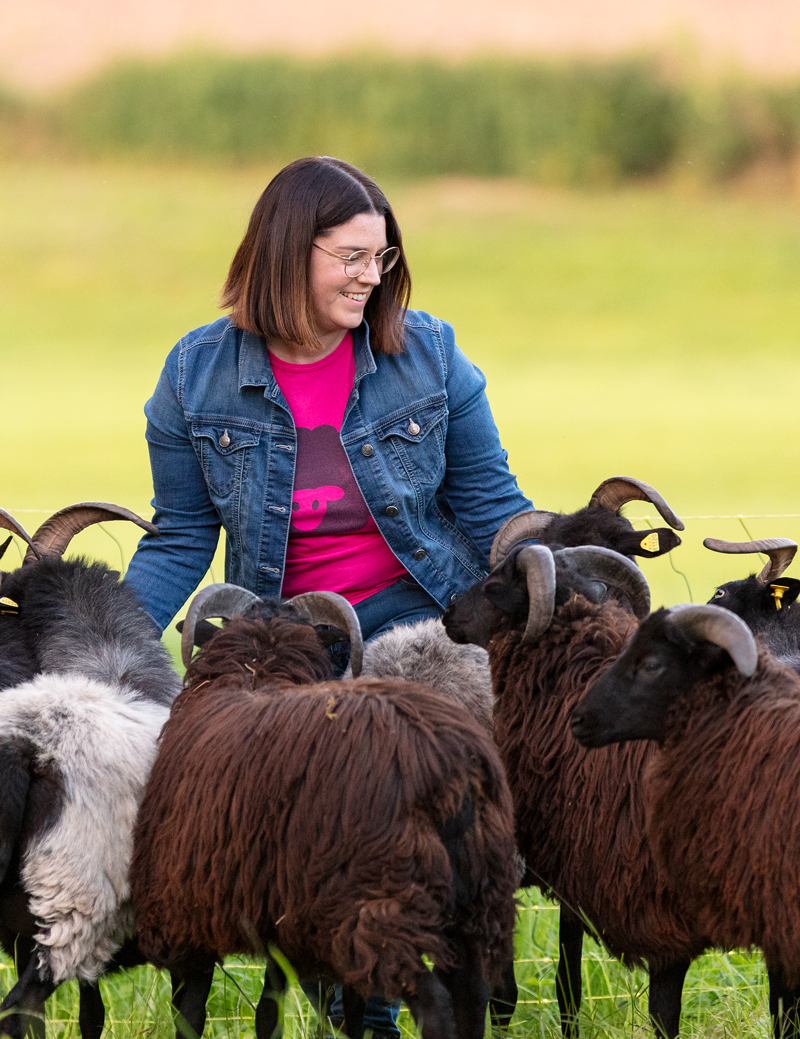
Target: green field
point(648, 331)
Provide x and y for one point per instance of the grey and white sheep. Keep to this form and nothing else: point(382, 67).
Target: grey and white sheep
point(86, 687)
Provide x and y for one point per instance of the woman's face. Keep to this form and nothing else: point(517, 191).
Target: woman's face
point(338, 301)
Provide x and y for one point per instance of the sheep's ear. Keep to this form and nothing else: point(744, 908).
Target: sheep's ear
point(648, 543)
point(203, 631)
point(5, 545)
point(784, 591)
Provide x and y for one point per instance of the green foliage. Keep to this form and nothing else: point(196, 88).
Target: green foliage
point(420, 117)
point(572, 122)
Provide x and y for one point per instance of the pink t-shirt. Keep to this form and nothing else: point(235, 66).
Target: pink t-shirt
point(334, 543)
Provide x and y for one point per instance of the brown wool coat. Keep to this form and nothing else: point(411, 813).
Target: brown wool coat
point(580, 814)
point(310, 817)
point(723, 820)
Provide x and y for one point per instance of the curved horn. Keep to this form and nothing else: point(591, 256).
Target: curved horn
point(613, 569)
point(617, 491)
point(536, 562)
point(781, 552)
point(524, 526)
point(216, 600)
point(8, 522)
point(726, 630)
point(53, 536)
point(331, 608)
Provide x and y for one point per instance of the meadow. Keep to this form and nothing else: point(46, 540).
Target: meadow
point(648, 330)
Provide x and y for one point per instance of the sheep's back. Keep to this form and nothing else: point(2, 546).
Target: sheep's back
point(313, 817)
point(580, 814)
point(722, 810)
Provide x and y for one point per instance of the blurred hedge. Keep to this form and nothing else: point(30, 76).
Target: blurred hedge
point(567, 122)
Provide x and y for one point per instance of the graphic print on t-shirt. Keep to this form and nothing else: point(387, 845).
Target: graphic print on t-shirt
point(326, 498)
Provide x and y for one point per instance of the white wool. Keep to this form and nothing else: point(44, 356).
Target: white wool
point(102, 740)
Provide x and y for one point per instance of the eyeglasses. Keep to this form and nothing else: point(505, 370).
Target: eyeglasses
point(356, 263)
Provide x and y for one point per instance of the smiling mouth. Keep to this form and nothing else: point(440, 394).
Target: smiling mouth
point(358, 297)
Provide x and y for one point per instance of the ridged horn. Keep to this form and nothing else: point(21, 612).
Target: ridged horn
point(615, 570)
point(53, 536)
point(781, 552)
point(536, 562)
point(723, 628)
point(524, 526)
point(215, 600)
point(334, 609)
point(7, 522)
point(617, 491)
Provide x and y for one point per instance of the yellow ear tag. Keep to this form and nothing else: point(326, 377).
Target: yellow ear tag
point(777, 593)
point(650, 543)
point(8, 606)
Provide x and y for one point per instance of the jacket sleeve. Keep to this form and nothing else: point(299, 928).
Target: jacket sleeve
point(165, 570)
point(478, 485)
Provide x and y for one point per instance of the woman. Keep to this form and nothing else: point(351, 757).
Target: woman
point(343, 442)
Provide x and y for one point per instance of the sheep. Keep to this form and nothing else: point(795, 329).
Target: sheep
point(423, 653)
point(86, 686)
point(598, 523)
point(721, 790)
point(356, 825)
point(580, 817)
point(765, 600)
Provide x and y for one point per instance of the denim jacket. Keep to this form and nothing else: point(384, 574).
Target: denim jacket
point(417, 430)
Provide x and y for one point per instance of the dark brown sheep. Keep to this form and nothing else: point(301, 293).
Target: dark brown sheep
point(358, 826)
point(580, 816)
point(721, 790)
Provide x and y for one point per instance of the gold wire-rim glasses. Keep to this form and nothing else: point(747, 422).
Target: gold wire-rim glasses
point(356, 263)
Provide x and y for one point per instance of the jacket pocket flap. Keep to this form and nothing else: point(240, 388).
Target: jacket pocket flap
point(227, 439)
point(414, 421)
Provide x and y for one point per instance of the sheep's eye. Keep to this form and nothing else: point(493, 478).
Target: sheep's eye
point(650, 666)
point(719, 593)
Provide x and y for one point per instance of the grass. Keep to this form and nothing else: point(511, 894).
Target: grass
point(725, 995)
point(651, 331)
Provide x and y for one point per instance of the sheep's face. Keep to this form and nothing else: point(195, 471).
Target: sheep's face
point(597, 526)
point(497, 603)
point(757, 603)
point(632, 699)
point(500, 602)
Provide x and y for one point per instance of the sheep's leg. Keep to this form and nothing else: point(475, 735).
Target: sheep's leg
point(27, 999)
point(92, 1011)
point(189, 1001)
point(569, 986)
point(268, 1011)
point(666, 990)
point(431, 1007)
point(469, 991)
point(503, 996)
point(784, 1005)
point(354, 1007)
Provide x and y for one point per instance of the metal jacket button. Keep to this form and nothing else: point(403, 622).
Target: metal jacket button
point(367, 450)
point(420, 553)
point(413, 428)
point(224, 440)
point(392, 510)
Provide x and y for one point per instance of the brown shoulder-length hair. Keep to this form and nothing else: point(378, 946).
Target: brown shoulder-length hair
point(267, 284)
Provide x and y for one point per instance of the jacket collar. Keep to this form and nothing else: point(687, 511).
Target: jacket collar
point(255, 369)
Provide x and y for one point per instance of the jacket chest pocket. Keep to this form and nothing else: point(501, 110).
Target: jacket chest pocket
point(414, 439)
point(225, 454)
